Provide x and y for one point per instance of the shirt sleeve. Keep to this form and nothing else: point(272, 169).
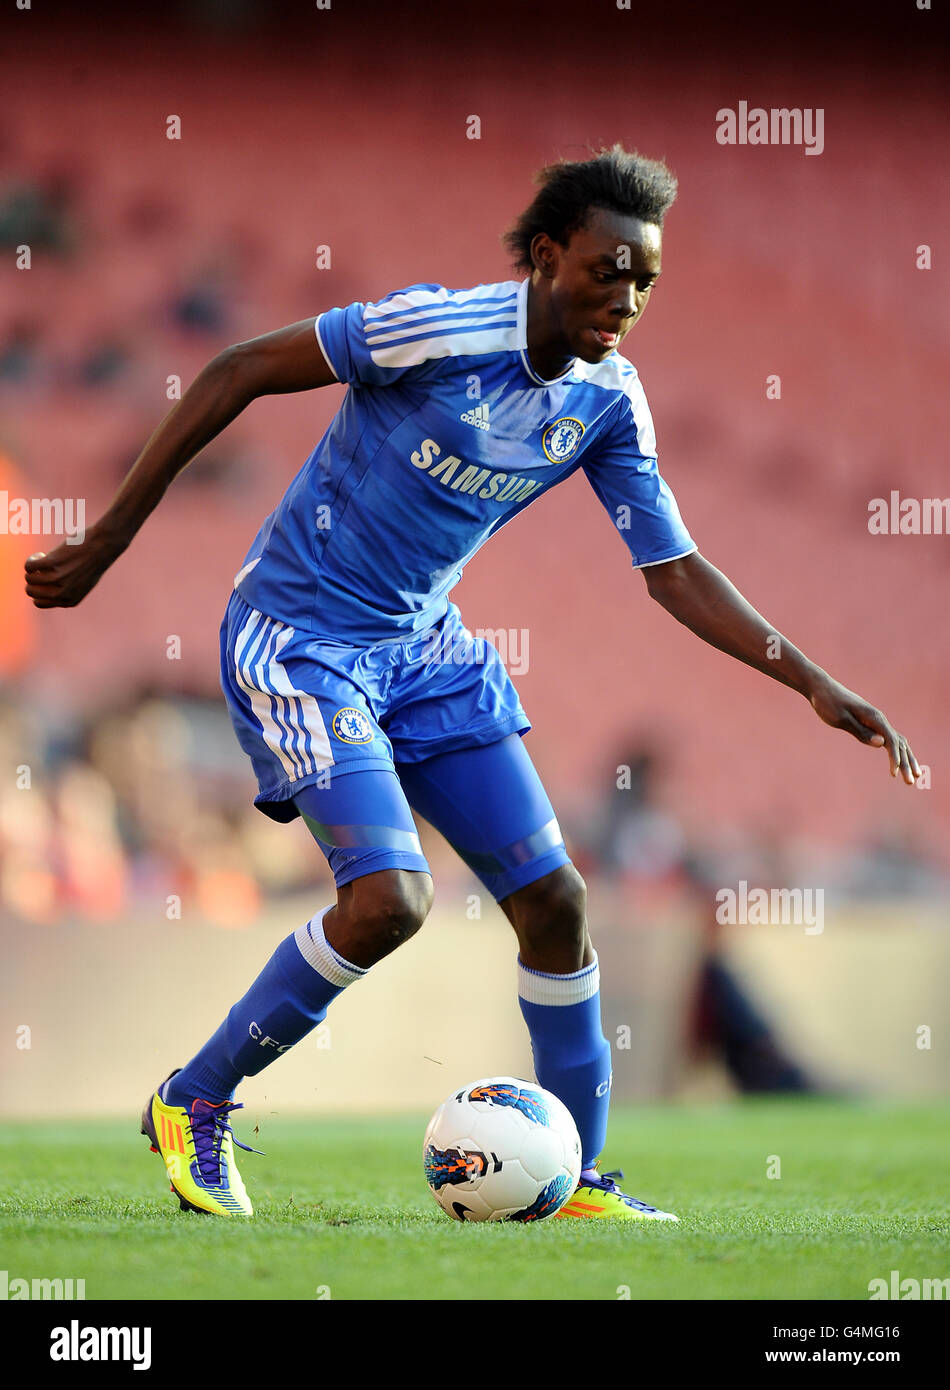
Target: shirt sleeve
point(624, 474)
point(376, 344)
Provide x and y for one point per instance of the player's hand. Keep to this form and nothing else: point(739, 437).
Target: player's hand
point(843, 709)
point(64, 577)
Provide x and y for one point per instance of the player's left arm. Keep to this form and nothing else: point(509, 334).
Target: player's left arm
point(704, 600)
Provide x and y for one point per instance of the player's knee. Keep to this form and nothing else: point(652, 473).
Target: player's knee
point(387, 909)
point(552, 912)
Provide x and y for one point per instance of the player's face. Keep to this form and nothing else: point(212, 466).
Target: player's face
point(600, 282)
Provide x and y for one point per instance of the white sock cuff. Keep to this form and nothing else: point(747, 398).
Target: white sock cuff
point(535, 987)
point(317, 951)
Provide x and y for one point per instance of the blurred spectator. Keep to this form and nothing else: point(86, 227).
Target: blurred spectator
point(639, 843)
point(204, 305)
point(19, 352)
point(40, 213)
point(201, 308)
point(103, 361)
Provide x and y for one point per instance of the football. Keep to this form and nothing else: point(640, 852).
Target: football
point(502, 1149)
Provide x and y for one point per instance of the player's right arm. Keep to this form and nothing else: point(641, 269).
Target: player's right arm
point(288, 360)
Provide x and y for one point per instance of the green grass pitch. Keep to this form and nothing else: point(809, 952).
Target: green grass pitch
point(341, 1206)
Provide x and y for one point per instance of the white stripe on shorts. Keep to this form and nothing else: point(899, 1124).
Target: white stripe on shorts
point(263, 678)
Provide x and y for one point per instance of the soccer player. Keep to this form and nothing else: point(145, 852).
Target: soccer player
point(352, 683)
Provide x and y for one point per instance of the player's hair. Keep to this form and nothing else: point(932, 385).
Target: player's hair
point(614, 178)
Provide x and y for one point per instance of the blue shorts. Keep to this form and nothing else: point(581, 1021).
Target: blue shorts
point(432, 723)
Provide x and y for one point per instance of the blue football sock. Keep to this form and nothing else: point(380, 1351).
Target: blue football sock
point(571, 1054)
point(287, 1000)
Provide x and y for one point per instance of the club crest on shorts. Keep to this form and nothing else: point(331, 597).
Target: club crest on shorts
point(561, 439)
point(352, 726)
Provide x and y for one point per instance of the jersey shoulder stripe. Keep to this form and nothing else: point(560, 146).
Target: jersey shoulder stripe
point(483, 318)
point(427, 321)
point(421, 300)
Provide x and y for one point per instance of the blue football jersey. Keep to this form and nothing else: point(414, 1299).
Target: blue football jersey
point(445, 434)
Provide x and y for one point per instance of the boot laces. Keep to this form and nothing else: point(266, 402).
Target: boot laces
point(607, 1182)
point(209, 1125)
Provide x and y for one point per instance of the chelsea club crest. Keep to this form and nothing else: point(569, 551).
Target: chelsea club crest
point(561, 439)
point(352, 726)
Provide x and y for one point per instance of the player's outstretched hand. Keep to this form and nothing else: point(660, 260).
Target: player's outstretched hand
point(843, 709)
point(64, 577)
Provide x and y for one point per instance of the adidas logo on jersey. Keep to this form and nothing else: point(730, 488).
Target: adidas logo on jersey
point(477, 417)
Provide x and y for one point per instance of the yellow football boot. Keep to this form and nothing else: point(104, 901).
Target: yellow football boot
point(597, 1195)
point(197, 1147)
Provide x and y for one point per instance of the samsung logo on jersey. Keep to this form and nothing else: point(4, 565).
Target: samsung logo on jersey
point(481, 482)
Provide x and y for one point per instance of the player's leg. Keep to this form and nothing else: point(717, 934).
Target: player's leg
point(490, 804)
point(561, 1006)
point(318, 752)
point(492, 808)
point(377, 908)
